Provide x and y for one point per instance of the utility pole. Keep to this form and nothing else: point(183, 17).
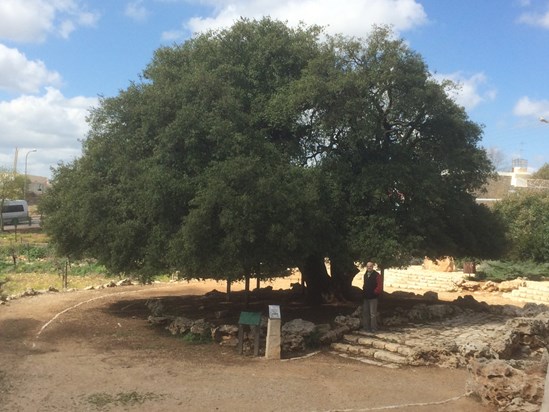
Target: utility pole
point(25, 184)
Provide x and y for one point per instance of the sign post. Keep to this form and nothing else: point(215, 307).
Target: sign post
point(272, 351)
point(253, 320)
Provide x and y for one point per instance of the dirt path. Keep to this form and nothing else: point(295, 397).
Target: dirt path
point(94, 350)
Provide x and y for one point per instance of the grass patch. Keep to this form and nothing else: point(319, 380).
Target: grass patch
point(32, 264)
point(24, 238)
point(5, 385)
point(196, 339)
point(19, 282)
point(102, 400)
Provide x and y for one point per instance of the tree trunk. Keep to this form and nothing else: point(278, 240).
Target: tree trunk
point(247, 289)
point(343, 272)
point(317, 280)
point(228, 290)
point(258, 276)
point(382, 273)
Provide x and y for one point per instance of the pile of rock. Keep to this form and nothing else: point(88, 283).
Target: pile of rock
point(503, 347)
point(511, 375)
point(52, 289)
point(26, 293)
point(297, 335)
point(489, 286)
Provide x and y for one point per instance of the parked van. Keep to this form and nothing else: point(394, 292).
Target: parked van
point(15, 212)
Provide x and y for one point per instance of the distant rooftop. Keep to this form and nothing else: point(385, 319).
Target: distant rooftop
point(510, 182)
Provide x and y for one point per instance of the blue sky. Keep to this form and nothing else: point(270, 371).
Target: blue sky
point(58, 56)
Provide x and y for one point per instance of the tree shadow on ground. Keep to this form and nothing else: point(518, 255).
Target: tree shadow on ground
point(215, 308)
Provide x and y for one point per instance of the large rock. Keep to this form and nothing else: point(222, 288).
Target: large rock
point(155, 306)
point(489, 286)
point(225, 335)
point(470, 302)
point(349, 321)
point(509, 285)
point(423, 312)
point(299, 327)
point(507, 344)
point(180, 326)
point(469, 285)
point(124, 282)
point(395, 320)
point(294, 334)
point(446, 264)
point(334, 334)
point(201, 327)
point(160, 320)
point(442, 311)
point(475, 344)
point(497, 383)
point(530, 326)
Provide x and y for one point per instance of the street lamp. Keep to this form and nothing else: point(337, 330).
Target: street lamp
point(25, 184)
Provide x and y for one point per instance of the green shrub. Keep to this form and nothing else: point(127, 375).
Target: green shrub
point(312, 341)
point(498, 271)
point(34, 252)
point(3, 281)
point(85, 268)
point(196, 338)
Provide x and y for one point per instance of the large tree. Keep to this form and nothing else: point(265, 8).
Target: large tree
point(262, 146)
point(526, 216)
point(402, 153)
point(542, 172)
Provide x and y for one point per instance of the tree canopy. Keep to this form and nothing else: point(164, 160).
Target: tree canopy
point(542, 172)
point(261, 147)
point(526, 217)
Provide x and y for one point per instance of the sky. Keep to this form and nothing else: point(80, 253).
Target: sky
point(57, 57)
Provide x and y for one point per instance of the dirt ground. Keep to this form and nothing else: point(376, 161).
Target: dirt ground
point(95, 350)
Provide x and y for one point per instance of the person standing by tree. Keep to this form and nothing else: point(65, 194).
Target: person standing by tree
point(371, 291)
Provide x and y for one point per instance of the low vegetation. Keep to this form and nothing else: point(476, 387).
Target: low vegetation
point(500, 270)
point(30, 263)
point(104, 400)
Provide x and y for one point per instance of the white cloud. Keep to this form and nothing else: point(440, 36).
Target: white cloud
point(19, 74)
point(535, 19)
point(51, 123)
point(135, 10)
point(471, 91)
point(66, 28)
point(354, 18)
point(34, 20)
point(173, 35)
point(526, 107)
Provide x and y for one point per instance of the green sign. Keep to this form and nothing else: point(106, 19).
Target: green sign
point(250, 318)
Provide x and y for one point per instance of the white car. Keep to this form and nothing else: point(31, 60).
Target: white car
point(15, 212)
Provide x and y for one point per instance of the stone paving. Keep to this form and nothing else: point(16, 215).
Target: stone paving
point(448, 342)
point(531, 291)
point(417, 279)
point(445, 339)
